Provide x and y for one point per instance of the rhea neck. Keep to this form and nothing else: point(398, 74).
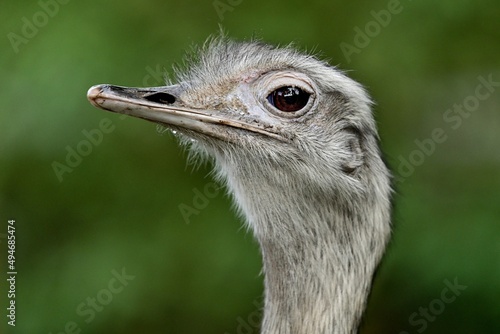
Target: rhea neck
point(319, 253)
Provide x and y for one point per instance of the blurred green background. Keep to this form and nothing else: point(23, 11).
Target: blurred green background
point(117, 210)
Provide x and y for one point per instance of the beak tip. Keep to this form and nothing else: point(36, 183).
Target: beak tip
point(93, 94)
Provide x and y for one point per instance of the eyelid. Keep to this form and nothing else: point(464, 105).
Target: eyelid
point(289, 81)
point(271, 81)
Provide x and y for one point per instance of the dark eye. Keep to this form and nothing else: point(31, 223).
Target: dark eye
point(289, 98)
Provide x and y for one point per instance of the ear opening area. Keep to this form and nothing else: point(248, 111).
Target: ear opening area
point(353, 145)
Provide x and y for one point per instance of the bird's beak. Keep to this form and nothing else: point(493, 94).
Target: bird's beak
point(161, 105)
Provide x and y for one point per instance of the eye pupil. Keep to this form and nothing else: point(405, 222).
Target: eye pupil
point(289, 98)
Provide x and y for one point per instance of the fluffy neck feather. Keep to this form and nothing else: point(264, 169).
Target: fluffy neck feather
point(319, 251)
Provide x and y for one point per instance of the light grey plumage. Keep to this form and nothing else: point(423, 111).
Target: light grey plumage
point(310, 183)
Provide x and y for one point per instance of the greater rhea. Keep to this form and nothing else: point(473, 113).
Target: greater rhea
point(296, 143)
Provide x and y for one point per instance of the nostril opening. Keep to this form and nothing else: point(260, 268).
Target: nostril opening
point(161, 97)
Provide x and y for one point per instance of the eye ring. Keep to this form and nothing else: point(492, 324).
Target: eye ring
point(289, 98)
point(287, 94)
